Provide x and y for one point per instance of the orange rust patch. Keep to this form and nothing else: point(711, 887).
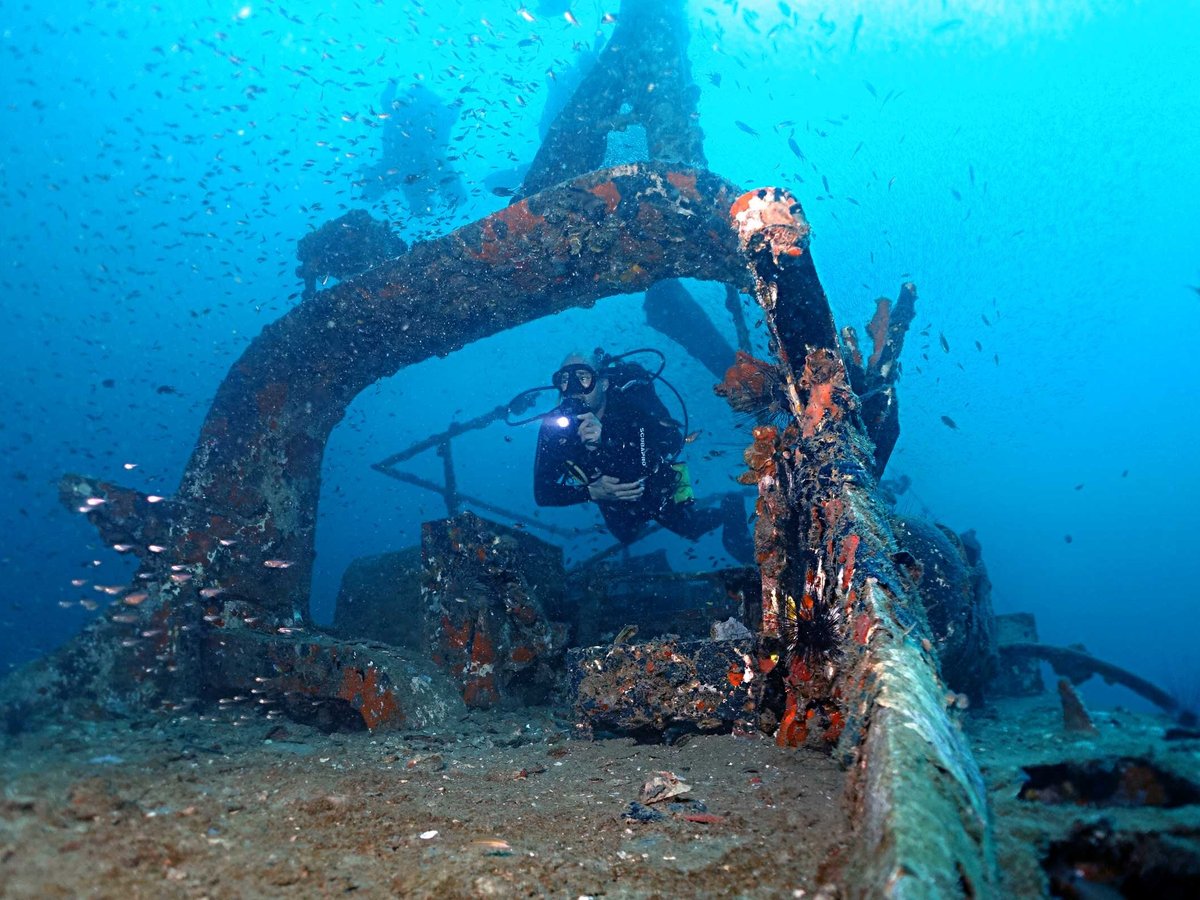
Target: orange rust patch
point(862, 628)
point(793, 730)
point(741, 204)
point(456, 637)
point(765, 433)
point(820, 400)
point(798, 672)
point(522, 654)
point(270, 399)
point(736, 675)
point(836, 723)
point(482, 651)
point(500, 230)
point(823, 373)
point(749, 383)
point(785, 736)
point(685, 183)
point(480, 693)
point(609, 194)
point(760, 456)
point(361, 689)
point(747, 375)
point(877, 328)
point(849, 549)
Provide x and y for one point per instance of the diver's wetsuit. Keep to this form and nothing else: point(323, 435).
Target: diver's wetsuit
point(638, 438)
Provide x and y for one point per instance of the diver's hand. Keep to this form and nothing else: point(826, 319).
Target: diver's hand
point(589, 430)
point(608, 488)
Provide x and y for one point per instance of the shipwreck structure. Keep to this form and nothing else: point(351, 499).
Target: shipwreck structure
point(852, 648)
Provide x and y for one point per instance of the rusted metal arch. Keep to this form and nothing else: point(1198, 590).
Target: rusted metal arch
point(259, 451)
point(243, 518)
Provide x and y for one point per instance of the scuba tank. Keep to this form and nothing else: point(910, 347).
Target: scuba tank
point(630, 448)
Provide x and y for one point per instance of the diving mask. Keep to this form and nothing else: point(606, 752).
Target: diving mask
point(575, 379)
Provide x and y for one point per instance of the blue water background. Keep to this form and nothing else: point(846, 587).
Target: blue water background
point(1037, 167)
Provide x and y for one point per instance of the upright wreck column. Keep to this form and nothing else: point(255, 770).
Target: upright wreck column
point(844, 631)
point(641, 78)
point(874, 378)
point(801, 619)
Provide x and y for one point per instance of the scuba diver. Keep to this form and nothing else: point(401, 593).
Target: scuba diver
point(416, 140)
point(611, 441)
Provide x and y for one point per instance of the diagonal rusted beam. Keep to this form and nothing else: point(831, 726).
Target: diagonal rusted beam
point(844, 633)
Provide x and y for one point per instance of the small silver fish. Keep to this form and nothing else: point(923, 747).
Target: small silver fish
point(625, 635)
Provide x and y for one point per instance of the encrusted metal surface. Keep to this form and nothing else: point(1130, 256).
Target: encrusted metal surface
point(486, 591)
point(665, 688)
point(842, 621)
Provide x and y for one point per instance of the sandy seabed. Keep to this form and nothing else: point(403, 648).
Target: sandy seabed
point(495, 805)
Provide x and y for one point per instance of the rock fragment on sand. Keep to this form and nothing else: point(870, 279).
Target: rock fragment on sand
point(662, 786)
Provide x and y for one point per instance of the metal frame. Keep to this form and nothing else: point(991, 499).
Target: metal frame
point(451, 496)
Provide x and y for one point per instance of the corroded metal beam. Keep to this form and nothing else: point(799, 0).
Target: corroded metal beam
point(843, 628)
point(672, 311)
point(1078, 666)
